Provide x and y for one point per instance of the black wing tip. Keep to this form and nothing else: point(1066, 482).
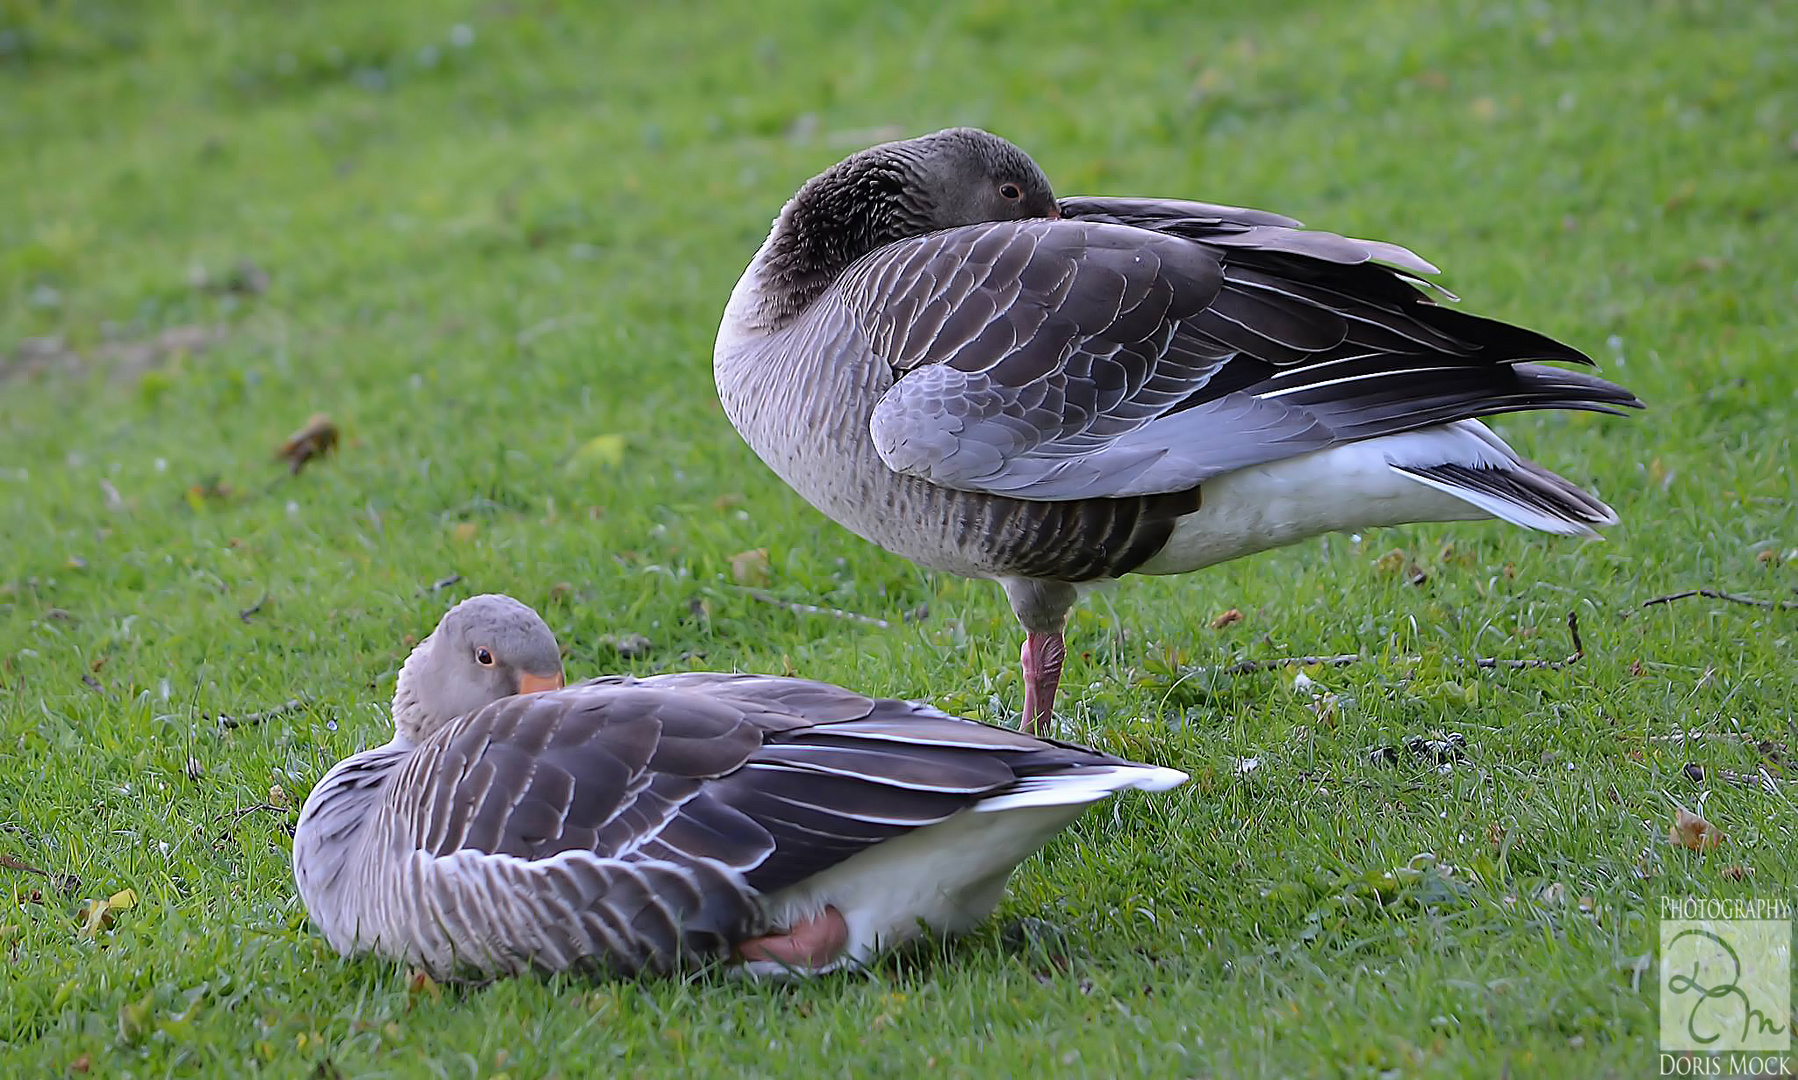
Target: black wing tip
point(1576, 389)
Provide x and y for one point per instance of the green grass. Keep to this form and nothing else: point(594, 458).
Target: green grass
point(483, 256)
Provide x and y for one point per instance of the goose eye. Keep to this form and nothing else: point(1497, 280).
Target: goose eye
point(483, 656)
point(1010, 191)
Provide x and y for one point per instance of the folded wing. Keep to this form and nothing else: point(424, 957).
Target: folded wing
point(1142, 346)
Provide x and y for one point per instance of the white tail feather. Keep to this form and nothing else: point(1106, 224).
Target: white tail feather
point(1077, 788)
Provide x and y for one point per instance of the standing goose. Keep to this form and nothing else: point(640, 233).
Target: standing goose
point(651, 824)
point(938, 354)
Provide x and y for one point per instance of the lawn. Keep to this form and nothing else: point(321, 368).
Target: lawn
point(491, 241)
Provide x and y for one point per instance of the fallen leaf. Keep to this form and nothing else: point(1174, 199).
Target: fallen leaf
point(96, 917)
point(465, 531)
point(1693, 832)
point(601, 451)
point(1228, 618)
point(1737, 873)
point(81, 1064)
point(316, 438)
point(1325, 707)
point(751, 567)
point(277, 796)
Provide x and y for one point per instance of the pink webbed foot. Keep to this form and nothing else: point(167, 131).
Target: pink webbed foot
point(815, 943)
point(1042, 658)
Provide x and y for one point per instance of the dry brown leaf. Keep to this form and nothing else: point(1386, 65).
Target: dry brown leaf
point(751, 567)
point(316, 438)
point(1693, 832)
point(1737, 873)
point(1228, 618)
point(465, 531)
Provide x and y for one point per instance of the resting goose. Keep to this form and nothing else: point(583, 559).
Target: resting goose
point(940, 355)
point(651, 824)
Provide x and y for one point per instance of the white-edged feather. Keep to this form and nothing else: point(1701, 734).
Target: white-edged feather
point(1082, 787)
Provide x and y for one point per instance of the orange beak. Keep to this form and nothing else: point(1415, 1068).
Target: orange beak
point(536, 684)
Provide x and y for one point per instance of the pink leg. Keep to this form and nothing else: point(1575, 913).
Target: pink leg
point(813, 943)
point(1042, 657)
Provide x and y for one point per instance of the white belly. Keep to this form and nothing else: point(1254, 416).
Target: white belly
point(947, 877)
point(1346, 487)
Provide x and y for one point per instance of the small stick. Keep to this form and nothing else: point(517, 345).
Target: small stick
point(1765, 747)
point(1758, 780)
point(11, 863)
point(1250, 666)
point(64, 882)
point(1714, 594)
point(814, 609)
point(251, 719)
point(1579, 650)
point(1487, 662)
point(243, 812)
point(253, 608)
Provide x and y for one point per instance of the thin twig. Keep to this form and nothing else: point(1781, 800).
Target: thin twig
point(63, 882)
point(1487, 662)
point(11, 863)
point(814, 609)
point(1250, 666)
point(252, 719)
point(1579, 650)
point(245, 811)
point(1767, 748)
point(253, 608)
point(1714, 594)
point(1758, 780)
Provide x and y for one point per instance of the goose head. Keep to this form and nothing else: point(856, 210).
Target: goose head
point(485, 648)
point(887, 193)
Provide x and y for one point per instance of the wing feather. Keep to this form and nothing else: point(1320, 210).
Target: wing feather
point(1060, 360)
